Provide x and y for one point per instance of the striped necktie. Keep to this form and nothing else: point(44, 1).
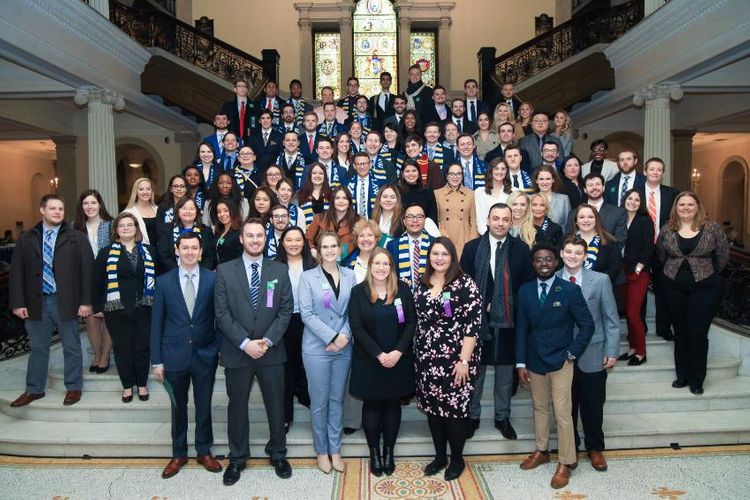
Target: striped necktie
point(652, 212)
point(254, 285)
point(190, 293)
point(623, 189)
point(543, 294)
point(48, 278)
point(415, 263)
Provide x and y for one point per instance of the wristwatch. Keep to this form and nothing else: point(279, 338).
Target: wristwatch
point(464, 362)
point(571, 357)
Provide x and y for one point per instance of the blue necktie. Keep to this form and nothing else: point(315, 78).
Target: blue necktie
point(623, 189)
point(254, 285)
point(473, 111)
point(48, 278)
point(468, 179)
point(543, 295)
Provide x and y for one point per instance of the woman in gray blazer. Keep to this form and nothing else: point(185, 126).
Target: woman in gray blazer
point(326, 346)
point(546, 181)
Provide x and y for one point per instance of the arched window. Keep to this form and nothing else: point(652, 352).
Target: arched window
point(375, 43)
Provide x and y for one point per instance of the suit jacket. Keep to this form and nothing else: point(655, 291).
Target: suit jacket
point(277, 103)
point(304, 147)
point(214, 141)
point(324, 317)
point(601, 303)
point(467, 127)
point(391, 120)
point(482, 106)
point(615, 221)
point(612, 188)
point(266, 154)
point(532, 154)
point(378, 113)
point(129, 280)
point(430, 114)
point(336, 129)
point(237, 320)
point(73, 265)
point(175, 334)
point(639, 247)
point(165, 254)
point(667, 194)
point(545, 332)
point(232, 110)
point(609, 262)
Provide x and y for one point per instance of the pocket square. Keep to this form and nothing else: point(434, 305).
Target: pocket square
point(556, 304)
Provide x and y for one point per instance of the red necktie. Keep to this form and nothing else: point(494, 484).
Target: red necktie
point(652, 212)
point(242, 119)
point(269, 104)
point(573, 279)
point(311, 142)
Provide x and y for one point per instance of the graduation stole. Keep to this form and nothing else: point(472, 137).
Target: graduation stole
point(296, 169)
point(357, 147)
point(378, 170)
point(271, 243)
point(335, 177)
point(169, 215)
point(372, 190)
point(200, 198)
point(592, 252)
point(545, 224)
point(299, 110)
point(423, 163)
point(275, 111)
point(525, 180)
point(365, 121)
point(403, 260)
point(307, 210)
point(114, 302)
point(479, 172)
point(385, 153)
point(177, 231)
point(437, 154)
point(242, 177)
point(293, 215)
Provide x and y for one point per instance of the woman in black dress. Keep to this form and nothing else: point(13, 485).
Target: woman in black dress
point(187, 218)
point(227, 231)
point(413, 191)
point(383, 321)
point(446, 352)
point(572, 181)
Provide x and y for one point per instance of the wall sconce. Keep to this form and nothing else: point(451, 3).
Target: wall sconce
point(54, 185)
point(695, 179)
point(135, 165)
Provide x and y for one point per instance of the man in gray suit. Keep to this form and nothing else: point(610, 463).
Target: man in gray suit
point(590, 371)
point(253, 301)
point(531, 145)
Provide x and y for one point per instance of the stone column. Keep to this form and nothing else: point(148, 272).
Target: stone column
point(649, 6)
point(101, 139)
point(404, 34)
point(306, 56)
point(657, 129)
point(65, 147)
point(682, 158)
point(101, 6)
point(444, 55)
point(347, 48)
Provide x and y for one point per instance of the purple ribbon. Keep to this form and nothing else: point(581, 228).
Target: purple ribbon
point(327, 299)
point(399, 311)
point(447, 305)
point(269, 297)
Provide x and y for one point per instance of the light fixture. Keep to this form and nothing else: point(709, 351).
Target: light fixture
point(135, 165)
point(695, 179)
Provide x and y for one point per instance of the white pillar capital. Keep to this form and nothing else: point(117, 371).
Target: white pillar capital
point(86, 95)
point(664, 90)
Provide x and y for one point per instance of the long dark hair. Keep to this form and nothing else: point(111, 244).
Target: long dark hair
point(404, 186)
point(642, 209)
point(235, 216)
point(198, 156)
point(272, 199)
point(399, 137)
point(417, 124)
point(308, 261)
point(489, 183)
point(454, 271)
point(599, 225)
point(80, 222)
point(336, 140)
point(166, 201)
point(350, 217)
point(306, 191)
point(181, 203)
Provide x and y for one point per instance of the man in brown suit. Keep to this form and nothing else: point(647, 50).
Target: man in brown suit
point(50, 286)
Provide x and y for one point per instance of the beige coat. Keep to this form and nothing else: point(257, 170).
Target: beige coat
point(457, 215)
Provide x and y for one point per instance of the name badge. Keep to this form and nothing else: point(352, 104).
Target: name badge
point(270, 287)
point(447, 305)
point(326, 294)
point(399, 311)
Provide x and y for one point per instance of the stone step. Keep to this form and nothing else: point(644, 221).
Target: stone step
point(622, 399)
point(152, 439)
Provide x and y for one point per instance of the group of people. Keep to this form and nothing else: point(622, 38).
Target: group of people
point(352, 265)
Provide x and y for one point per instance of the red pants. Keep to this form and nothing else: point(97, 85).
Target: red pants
point(636, 288)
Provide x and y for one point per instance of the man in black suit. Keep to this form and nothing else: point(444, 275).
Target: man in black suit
point(438, 111)
point(50, 288)
point(399, 108)
point(267, 142)
point(381, 104)
point(309, 137)
point(508, 96)
point(253, 302)
point(185, 349)
point(241, 111)
point(474, 105)
point(349, 102)
point(289, 120)
point(532, 144)
point(458, 116)
point(494, 260)
point(658, 199)
point(627, 179)
point(614, 219)
point(506, 131)
point(271, 101)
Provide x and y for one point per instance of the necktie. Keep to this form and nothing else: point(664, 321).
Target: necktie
point(498, 263)
point(468, 179)
point(515, 181)
point(430, 153)
point(190, 294)
point(573, 279)
point(265, 138)
point(289, 162)
point(460, 126)
point(543, 295)
point(254, 285)
point(311, 143)
point(652, 212)
point(362, 204)
point(473, 111)
point(329, 130)
point(415, 263)
point(269, 104)
point(48, 278)
point(242, 119)
point(220, 138)
point(623, 189)
point(540, 140)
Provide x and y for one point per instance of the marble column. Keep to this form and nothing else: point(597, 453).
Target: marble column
point(347, 48)
point(404, 34)
point(101, 139)
point(444, 52)
point(65, 148)
point(649, 6)
point(306, 56)
point(657, 130)
point(682, 158)
point(101, 6)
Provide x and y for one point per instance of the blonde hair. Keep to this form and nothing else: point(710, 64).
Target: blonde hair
point(527, 231)
point(496, 122)
point(543, 197)
point(566, 125)
point(364, 224)
point(134, 192)
point(700, 219)
point(391, 283)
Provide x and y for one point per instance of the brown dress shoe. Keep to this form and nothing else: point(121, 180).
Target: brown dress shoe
point(597, 460)
point(560, 479)
point(25, 399)
point(72, 397)
point(535, 460)
point(209, 463)
point(173, 467)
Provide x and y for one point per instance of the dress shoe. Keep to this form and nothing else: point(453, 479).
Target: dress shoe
point(102, 369)
point(282, 467)
point(209, 463)
point(625, 356)
point(455, 469)
point(435, 466)
point(505, 428)
point(597, 460)
point(337, 463)
point(561, 476)
point(72, 397)
point(376, 464)
point(666, 335)
point(349, 430)
point(324, 464)
point(679, 384)
point(287, 425)
point(127, 399)
point(93, 369)
point(173, 467)
point(473, 426)
point(535, 460)
point(142, 396)
point(696, 390)
point(634, 361)
point(232, 473)
point(389, 464)
point(25, 399)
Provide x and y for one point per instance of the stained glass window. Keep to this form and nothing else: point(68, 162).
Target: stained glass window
point(375, 43)
point(422, 52)
point(327, 62)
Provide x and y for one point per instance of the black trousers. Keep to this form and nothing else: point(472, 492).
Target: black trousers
point(589, 392)
point(131, 332)
point(662, 319)
point(692, 307)
point(202, 376)
point(381, 417)
point(295, 379)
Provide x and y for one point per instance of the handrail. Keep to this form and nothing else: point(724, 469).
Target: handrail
point(735, 301)
point(156, 29)
point(566, 40)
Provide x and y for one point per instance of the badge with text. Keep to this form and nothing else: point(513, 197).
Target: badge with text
point(326, 294)
point(447, 305)
point(270, 286)
point(399, 311)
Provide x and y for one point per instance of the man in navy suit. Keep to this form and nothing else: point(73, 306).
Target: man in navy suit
point(308, 139)
point(221, 124)
point(549, 309)
point(271, 101)
point(185, 348)
point(267, 142)
point(474, 105)
point(627, 179)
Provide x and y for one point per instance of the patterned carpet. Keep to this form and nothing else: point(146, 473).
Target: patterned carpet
point(701, 472)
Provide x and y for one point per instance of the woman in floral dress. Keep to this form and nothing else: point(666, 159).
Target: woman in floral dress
point(446, 352)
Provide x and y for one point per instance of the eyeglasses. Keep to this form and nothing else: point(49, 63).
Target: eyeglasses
point(599, 150)
point(548, 150)
point(414, 217)
point(178, 186)
point(455, 174)
point(273, 174)
point(280, 216)
point(125, 226)
point(540, 120)
point(247, 154)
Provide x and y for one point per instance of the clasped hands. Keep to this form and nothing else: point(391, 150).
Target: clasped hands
point(256, 349)
point(389, 359)
point(338, 344)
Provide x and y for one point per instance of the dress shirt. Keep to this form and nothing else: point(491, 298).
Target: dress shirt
point(290, 160)
point(220, 141)
point(578, 275)
point(183, 278)
point(468, 109)
point(596, 204)
point(516, 176)
point(382, 100)
point(247, 261)
point(657, 199)
point(295, 273)
point(363, 183)
point(630, 178)
point(549, 285)
point(398, 118)
point(53, 238)
point(493, 250)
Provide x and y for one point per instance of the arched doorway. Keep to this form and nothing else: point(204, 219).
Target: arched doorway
point(133, 162)
point(733, 203)
point(621, 140)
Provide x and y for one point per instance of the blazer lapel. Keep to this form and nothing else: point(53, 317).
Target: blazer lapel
point(343, 293)
point(181, 298)
point(243, 283)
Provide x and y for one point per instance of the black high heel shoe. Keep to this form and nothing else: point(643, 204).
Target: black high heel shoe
point(625, 356)
point(389, 465)
point(634, 361)
point(143, 397)
point(93, 369)
point(127, 399)
point(376, 465)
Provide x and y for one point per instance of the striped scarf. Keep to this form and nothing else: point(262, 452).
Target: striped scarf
point(307, 209)
point(200, 198)
point(366, 122)
point(296, 169)
point(242, 177)
point(114, 302)
point(438, 154)
point(177, 231)
point(403, 259)
point(271, 242)
point(299, 110)
point(592, 252)
point(294, 214)
point(378, 170)
point(373, 187)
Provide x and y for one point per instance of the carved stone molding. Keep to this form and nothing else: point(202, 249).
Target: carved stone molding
point(85, 95)
point(663, 90)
